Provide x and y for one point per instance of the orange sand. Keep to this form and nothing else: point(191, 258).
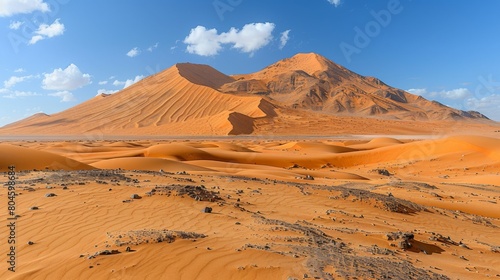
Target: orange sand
point(264, 225)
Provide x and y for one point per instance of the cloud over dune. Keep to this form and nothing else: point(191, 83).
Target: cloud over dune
point(70, 78)
point(208, 42)
point(128, 82)
point(65, 96)
point(455, 94)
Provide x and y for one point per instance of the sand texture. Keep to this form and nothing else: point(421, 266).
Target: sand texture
point(280, 209)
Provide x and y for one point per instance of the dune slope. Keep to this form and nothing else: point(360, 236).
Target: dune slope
point(28, 159)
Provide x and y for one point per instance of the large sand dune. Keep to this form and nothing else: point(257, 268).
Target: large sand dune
point(180, 99)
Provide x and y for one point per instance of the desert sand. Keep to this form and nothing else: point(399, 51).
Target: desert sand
point(280, 209)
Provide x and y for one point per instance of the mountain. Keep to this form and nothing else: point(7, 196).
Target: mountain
point(310, 81)
point(192, 99)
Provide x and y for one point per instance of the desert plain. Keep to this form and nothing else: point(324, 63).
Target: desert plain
point(256, 208)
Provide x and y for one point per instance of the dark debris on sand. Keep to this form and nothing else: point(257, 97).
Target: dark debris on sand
point(322, 250)
point(149, 236)
point(387, 202)
point(80, 177)
point(198, 193)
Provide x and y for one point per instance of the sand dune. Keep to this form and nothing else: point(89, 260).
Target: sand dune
point(471, 152)
point(376, 143)
point(318, 147)
point(29, 159)
point(203, 75)
point(180, 97)
point(263, 171)
point(279, 209)
point(316, 155)
point(178, 152)
point(151, 164)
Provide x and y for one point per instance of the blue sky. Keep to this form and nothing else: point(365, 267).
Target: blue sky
point(58, 53)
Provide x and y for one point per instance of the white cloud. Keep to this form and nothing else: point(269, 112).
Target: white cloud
point(251, 38)
point(131, 82)
point(128, 82)
point(12, 81)
point(47, 31)
point(105, 91)
point(489, 106)
point(12, 7)
point(133, 52)
point(118, 83)
point(103, 82)
point(172, 48)
point(68, 79)
point(284, 38)
point(464, 99)
point(417, 91)
point(207, 42)
point(35, 39)
point(55, 29)
point(203, 42)
point(65, 96)
point(153, 47)
point(455, 94)
point(334, 2)
point(459, 93)
point(19, 70)
point(15, 25)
